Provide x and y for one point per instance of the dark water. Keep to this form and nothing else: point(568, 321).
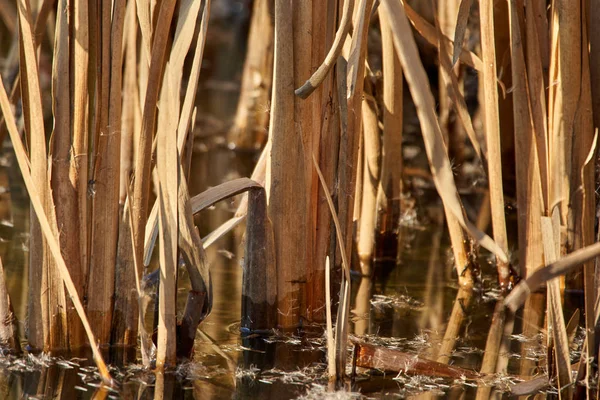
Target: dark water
point(406, 306)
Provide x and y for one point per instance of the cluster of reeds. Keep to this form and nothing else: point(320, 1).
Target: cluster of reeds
point(539, 56)
point(115, 132)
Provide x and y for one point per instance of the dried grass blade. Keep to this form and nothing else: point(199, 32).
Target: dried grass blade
point(432, 135)
point(47, 230)
point(556, 321)
point(192, 86)
point(334, 52)
point(330, 338)
point(38, 320)
point(455, 93)
point(9, 337)
point(167, 166)
point(341, 328)
point(361, 17)
point(198, 203)
point(141, 190)
point(461, 27)
point(561, 267)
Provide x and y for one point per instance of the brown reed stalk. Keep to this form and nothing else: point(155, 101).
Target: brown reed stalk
point(64, 194)
point(141, 190)
point(390, 187)
point(106, 172)
point(285, 173)
point(370, 178)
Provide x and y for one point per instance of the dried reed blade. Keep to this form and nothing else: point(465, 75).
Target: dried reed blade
point(361, 21)
point(456, 96)
point(47, 230)
point(9, 337)
point(141, 190)
point(556, 321)
point(34, 126)
point(334, 52)
point(106, 173)
point(529, 190)
point(167, 166)
point(192, 86)
point(79, 152)
point(342, 321)
point(462, 19)
point(560, 267)
point(436, 151)
point(537, 98)
point(330, 338)
point(428, 32)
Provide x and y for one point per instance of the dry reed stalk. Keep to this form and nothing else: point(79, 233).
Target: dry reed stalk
point(351, 119)
point(329, 330)
point(436, 152)
point(286, 173)
point(106, 173)
point(556, 322)
point(428, 32)
point(453, 90)
point(259, 289)
point(583, 199)
point(38, 207)
point(167, 169)
point(251, 118)
point(565, 70)
point(173, 198)
point(124, 329)
point(321, 73)
point(9, 338)
point(38, 321)
point(80, 48)
point(537, 96)
point(529, 188)
point(492, 349)
point(342, 320)
point(371, 174)
point(492, 135)
point(390, 187)
point(327, 149)
point(141, 190)
point(455, 323)
point(449, 88)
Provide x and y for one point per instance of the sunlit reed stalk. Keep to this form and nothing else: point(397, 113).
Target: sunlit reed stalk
point(492, 134)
